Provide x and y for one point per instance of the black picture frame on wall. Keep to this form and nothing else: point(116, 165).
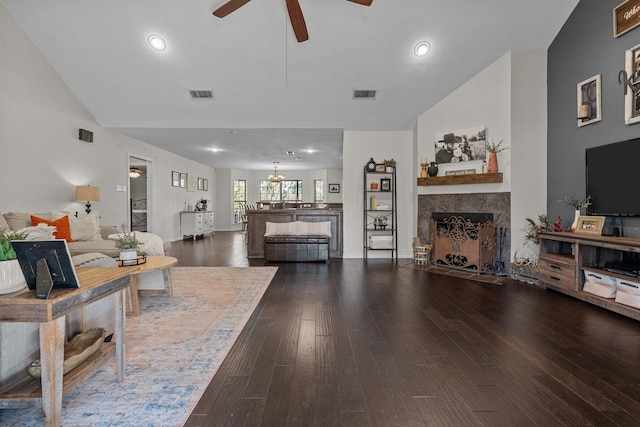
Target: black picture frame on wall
point(334, 188)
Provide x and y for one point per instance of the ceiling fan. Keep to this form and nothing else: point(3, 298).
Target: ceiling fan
point(293, 7)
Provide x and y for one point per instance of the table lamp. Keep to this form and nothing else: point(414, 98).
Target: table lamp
point(87, 194)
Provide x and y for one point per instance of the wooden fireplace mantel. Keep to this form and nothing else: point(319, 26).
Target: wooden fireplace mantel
point(476, 178)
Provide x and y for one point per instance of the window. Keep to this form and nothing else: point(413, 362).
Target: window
point(318, 190)
point(239, 199)
point(284, 191)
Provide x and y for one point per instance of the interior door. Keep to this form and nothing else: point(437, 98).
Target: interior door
point(139, 191)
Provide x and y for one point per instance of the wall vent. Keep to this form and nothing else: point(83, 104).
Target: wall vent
point(364, 94)
point(201, 94)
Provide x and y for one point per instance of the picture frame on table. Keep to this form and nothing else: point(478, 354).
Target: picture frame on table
point(380, 167)
point(175, 179)
point(334, 188)
point(590, 225)
point(589, 104)
point(385, 184)
point(632, 85)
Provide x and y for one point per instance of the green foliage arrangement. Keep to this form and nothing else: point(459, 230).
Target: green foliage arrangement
point(577, 204)
point(128, 241)
point(534, 229)
point(6, 250)
point(390, 163)
point(492, 147)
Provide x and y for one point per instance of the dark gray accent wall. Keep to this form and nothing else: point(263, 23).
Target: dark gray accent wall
point(583, 48)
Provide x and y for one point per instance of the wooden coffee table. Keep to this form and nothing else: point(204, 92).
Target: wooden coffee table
point(153, 263)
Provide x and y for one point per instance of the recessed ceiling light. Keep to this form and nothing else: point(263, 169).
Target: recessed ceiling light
point(156, 42)
point(422, 48)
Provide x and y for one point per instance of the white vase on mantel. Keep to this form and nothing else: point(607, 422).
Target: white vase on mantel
point(11, 277)
point(576, 217)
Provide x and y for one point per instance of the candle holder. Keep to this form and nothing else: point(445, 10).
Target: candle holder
point(423, 172)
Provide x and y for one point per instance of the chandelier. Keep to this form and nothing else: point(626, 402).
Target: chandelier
point(276, 177)
point(135, 172)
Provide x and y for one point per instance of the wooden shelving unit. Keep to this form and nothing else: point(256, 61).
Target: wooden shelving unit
point(476, 178)
point(564, 256)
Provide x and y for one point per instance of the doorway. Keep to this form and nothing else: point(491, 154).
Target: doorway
point(139, 208)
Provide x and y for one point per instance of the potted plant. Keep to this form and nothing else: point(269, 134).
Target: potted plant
point(577, 205)
point(11, 277)
point(128, 244)
point(493, 150)
point(390, 165)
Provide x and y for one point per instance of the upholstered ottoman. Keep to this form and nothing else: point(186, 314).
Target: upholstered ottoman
point(297, 241)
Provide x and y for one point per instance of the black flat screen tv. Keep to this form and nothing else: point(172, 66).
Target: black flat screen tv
point(613, 178)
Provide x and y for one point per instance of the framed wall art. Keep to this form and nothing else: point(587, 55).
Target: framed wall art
point(175, 179)
point(632, 88)
point(183, 180)
point(588, 99)
point(590, 224)
point(205, 184)
point(200, 184)
point(192, 183)
point(334, 188)
point(461, 145)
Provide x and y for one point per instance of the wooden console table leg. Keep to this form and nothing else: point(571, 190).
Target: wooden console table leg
point(119, 323)
point(51, 360)
point(133, 299)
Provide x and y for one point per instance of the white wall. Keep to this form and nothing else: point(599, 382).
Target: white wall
point(43, 160)
point(509, 99)
point(359, 147)
point(529, 148)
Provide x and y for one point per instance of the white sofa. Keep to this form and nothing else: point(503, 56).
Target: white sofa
point(86, 234)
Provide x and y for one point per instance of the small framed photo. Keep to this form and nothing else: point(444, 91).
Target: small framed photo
point(175, 179)
point(205, 184)
point(589, 102)
point(590, 224)
point(632, 90)
point(380, 167)
point(192, 183)
point(183, 180)
point(200, 184)
point(334, 188)
point(385, 184)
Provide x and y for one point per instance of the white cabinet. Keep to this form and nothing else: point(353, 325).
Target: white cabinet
point(196, 223)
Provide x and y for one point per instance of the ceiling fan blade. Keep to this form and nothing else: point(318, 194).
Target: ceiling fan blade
point(229, 7)
point(297, 20)
point(362, 2)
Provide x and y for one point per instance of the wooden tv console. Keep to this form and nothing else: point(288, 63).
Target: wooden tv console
point(564, 256)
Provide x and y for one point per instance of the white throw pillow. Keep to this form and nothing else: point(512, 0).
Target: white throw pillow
point(322, 228)
point(41, 231)
point(83, 229)
point(281, 229)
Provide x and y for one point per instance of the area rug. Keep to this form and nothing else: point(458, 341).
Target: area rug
point(173, 350)
point(484, 278)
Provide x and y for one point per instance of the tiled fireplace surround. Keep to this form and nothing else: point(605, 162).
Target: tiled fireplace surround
point(499, 204)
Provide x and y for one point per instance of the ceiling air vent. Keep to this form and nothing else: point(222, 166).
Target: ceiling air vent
point(364, 94)
point(201, 94)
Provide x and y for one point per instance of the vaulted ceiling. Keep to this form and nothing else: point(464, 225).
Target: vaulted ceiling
point(272, 94)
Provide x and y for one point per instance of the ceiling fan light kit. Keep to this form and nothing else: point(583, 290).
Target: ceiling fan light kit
point(293, 8)
point(156, 42)
point(422, 48)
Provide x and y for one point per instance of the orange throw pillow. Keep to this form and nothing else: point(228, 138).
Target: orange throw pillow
point(63, 229)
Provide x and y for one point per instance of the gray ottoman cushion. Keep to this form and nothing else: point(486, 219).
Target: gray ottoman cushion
point(94, 259)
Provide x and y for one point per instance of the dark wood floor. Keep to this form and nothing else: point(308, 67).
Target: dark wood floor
point(357, 343)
